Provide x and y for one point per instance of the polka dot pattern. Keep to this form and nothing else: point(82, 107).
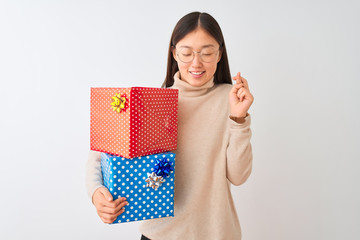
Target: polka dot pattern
point(148, 126)
point(126, 178)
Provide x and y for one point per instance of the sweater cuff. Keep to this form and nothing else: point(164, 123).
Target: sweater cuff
point(236, 125)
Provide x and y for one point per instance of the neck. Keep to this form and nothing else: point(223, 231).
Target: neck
point(187, 90)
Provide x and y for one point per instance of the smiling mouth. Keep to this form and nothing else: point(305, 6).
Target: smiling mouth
point(197, 73)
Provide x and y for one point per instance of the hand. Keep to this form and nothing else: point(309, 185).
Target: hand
point(240, 98)
point(107, 209)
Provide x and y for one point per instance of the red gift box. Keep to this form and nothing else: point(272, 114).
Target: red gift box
point(133, 122)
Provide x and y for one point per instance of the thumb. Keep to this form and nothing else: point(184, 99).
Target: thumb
point(107, 194)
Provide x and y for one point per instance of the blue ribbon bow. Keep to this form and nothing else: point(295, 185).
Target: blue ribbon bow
point(163, 167)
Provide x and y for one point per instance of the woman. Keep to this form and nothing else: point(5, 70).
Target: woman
point(214, 149)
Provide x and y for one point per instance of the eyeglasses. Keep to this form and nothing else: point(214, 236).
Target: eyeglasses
point(208, 54)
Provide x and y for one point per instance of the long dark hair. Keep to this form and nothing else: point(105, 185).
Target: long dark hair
point(187, 24)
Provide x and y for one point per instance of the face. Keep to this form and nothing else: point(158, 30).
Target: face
point(197, 72)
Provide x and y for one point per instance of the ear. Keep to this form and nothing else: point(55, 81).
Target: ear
point(219, 57)
point(173, 49)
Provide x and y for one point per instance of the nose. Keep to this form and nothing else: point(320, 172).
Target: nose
point(197, 59)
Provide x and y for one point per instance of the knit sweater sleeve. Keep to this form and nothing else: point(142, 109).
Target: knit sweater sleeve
point(93, 173)
point(239, 152)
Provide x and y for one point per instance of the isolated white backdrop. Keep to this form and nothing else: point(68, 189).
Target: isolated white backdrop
point(301, 59)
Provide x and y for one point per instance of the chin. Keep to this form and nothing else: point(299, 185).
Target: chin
point(196, 82)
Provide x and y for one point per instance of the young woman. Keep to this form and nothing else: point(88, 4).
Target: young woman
point(214, 149)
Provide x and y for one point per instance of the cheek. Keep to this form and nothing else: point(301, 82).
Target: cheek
point(182, 67)
point(212, 68)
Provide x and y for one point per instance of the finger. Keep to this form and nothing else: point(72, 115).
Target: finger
point(112, 216)
point(110, 210)
point(242, 96)
point(245, 82)
point(107, 218)
point(238, 94)
point(236, 87)
point(103, 202)
point(113, 204)
point(246, 95)
point(237, 77)
point(120, 201)
point(106, 193)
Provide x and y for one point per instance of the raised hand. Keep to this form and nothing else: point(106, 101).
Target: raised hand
point(240, 98)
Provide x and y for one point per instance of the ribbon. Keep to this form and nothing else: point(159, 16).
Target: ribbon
point(163, 167)
point(119, 102)
point(154, 181)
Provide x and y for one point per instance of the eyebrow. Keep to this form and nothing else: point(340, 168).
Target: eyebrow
point(204, 46)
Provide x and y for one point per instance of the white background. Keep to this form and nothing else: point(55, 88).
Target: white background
point(301, 59)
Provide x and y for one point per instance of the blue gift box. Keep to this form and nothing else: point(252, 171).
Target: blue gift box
point(147, 182)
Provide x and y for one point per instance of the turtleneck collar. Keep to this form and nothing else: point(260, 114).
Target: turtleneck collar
point(187, 90)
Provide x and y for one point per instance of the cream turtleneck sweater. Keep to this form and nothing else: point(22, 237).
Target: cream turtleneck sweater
point(212, 152)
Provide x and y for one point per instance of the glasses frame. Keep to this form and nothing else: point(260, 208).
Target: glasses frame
point(193, 54)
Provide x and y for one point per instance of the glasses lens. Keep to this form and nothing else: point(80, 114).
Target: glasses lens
point(186, 55)
point(208, 54)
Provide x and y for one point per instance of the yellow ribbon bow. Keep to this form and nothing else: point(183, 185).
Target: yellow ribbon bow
point(119, 103)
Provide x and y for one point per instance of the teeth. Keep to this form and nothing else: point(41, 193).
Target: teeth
point(197, 73)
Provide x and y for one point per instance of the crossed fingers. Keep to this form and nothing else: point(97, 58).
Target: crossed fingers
point(240, 87)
